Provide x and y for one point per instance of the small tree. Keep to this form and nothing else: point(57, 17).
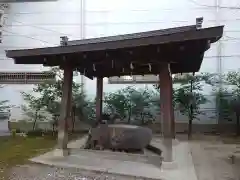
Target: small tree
point(232, 79)
point(188, 96)
point(223, 104)
point(4, 104)
point(50, 94)
point(228, 107)
point(130, 102)
point(33, 108)
point(142, 105)
point(117, 103)
point(90, 112)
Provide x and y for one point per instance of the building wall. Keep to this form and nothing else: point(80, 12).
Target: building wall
point(30, 25)
point(46, 126)
point(182, 127)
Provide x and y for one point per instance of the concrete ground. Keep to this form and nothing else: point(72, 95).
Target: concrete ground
point(132, 166)
point(212, 158)
point(207, 158)
point(43, 172)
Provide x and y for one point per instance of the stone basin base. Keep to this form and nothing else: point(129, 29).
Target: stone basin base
point(147, 158)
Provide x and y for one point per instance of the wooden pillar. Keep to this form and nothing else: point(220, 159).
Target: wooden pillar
point(167, 111)
point(65, 111)
point(99, 96)
point(70, 114)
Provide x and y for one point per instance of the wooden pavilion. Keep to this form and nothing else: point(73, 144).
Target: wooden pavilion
point(160, 52)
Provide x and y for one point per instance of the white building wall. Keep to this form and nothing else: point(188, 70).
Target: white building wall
point(31, 25)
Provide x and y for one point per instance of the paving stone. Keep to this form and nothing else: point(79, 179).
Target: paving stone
point(43, 172)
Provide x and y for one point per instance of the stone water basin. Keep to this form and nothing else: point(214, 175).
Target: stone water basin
point(129, 137)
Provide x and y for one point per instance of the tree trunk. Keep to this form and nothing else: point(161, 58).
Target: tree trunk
point(129, 116)
point(53, 129)
point(190, 115)
point(35, 120)
point(129, 119)
point(73, 123)
point(190, 128)
point(190, 122)
point(142, 118)
point(73, 114)
point(237, 125)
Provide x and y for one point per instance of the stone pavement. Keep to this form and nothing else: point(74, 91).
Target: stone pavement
point(182, 167)
point(211, 160)
point(99, 162)
point(86, 161)
point(43, 172)
point(77, 143)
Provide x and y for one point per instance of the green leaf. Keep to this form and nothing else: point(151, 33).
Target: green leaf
point(50, 94)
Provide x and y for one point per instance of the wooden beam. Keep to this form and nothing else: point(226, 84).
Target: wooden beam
point(99, 96)
point(167, 112)
point(65, 110)
point(85, 73)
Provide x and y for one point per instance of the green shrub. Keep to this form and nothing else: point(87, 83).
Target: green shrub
point(39, 133)
point(18, 131)
point(50, 133)
point(35, 133)
point(14, 133)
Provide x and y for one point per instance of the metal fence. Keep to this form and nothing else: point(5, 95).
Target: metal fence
point(25, 77)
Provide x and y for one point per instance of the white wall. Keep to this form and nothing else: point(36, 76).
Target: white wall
point(41, 24)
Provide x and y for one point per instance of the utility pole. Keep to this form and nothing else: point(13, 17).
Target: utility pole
point(191, 108)
point(82, 35)
point(219, 62)
point(219, 45)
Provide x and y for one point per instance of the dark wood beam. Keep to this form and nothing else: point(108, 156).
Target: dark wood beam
point(99, 96)
point(65, 113)
point(85, 73)
point(167, 113)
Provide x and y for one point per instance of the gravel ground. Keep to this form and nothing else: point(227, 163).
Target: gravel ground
point(42, 172)
point(211, 160)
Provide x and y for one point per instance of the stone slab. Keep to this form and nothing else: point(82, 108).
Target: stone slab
point(127, 168)
point(182, 157)
point(169, 165)
point(61, 152)
point(122, 156)
point(79, 143)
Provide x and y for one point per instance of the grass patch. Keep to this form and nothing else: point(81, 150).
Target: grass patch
point(17, 150)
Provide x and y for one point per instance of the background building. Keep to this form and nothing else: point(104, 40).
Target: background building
point(40, 24)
